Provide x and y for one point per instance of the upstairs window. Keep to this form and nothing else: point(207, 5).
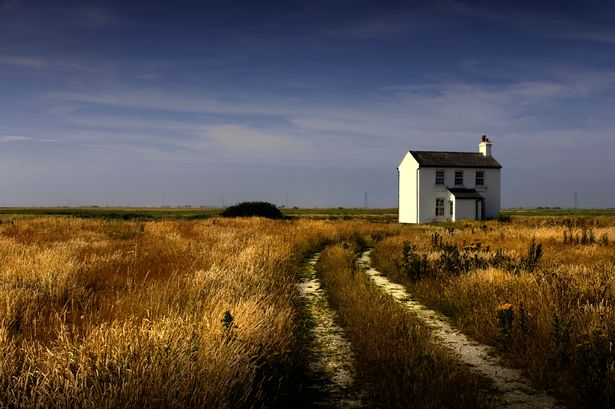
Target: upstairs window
point(439, 207)
point(439, 177)
point(459, 178)
point(480, 178)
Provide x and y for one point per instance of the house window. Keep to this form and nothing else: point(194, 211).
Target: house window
point(480, 178)
point(439, 207)
point(439, 177)
point(450, 206)
point(458, 177)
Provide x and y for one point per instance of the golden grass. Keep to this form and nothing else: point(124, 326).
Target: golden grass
point(107, 314)
point(564, 312)
point(100, 313)
point(205, 313)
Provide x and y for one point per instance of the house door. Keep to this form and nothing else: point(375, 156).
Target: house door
point(480, 209)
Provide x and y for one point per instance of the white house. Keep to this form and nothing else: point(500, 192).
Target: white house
point(439, 186)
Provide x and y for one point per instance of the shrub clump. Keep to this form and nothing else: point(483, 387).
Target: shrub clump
point(249, 209)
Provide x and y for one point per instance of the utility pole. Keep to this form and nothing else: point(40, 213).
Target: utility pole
point(576, 200)
point(365, 201)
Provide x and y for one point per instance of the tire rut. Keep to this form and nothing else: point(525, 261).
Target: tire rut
point(331, 356)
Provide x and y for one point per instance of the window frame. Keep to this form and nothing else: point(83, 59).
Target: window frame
point(439, 207)
point(443, 178)
point(458, 178)
point(482, 178)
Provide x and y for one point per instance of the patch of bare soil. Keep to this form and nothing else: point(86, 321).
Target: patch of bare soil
point(516, 391)
point(332, 360)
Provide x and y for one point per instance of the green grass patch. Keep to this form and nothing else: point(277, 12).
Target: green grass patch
point(114, 213)
point(559, 212)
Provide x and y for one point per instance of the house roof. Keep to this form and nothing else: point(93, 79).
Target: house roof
point(430, 159)
point(463, 193)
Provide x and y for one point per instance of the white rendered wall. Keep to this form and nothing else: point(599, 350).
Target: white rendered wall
point(429, 193)
point(407, 189)
point(491, 193)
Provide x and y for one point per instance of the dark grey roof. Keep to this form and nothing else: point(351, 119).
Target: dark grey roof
point(463, 193)
point(428, 159)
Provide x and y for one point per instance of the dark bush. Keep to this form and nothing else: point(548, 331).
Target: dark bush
point(248, 209)
point(504, 218)
point(534, 253)
point(415, 266)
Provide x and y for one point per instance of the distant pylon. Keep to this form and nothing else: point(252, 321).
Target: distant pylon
point(576, 200)
point(365, 201)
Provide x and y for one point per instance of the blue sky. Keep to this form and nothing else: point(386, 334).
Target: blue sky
point(301, 103)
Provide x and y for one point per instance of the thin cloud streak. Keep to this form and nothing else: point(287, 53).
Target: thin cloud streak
point(91, 16)
point(163, 100)
point(42, 63)
point(545, 25)
point(13, 138)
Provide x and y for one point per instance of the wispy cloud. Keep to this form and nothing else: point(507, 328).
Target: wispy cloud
point(536, 23)
point(24, 61)
point(163, 100)
point(244, 140)
point(386, 25)
point(91, 16)
point(593, 34)
point(22, 138)
point(43, 63)
point(371, 29)
point(447, 14)
point(509, 16)
point(13, 138)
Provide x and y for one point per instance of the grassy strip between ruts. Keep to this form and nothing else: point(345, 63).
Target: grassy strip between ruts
point(398, 364)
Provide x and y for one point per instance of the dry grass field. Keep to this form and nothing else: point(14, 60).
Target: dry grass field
point(549, 308)
point(167, 314)
point(104, 313)
point(205, 313)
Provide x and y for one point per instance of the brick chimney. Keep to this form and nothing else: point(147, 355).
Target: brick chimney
point(485, 146)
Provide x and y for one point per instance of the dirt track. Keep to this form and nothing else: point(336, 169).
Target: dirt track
point(516, 391)
point(332, 360)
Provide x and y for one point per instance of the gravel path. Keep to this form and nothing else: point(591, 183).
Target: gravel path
point(331, 356)
point(516, 391)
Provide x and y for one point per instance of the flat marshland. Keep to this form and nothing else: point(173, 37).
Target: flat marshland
point(206, 313)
